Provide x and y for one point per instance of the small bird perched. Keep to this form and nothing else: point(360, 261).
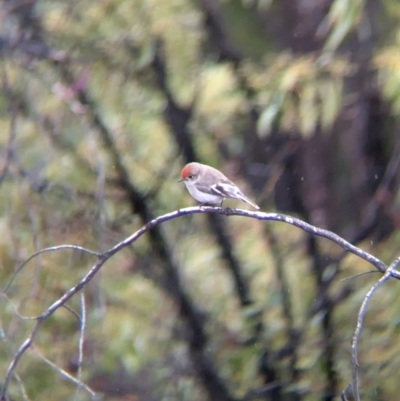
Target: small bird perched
point(209, 186)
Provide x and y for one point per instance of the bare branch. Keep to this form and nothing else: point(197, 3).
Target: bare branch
point(81, 340)
point(16, 375)
point(17, 356)
point(45, 250)
point(22, 387)
point(65, 374)
point(354, 345)
point(102, 258)
point(68, 308)
point(259, 216)
point(358, 275)
point(15, 308)
point(343, 394)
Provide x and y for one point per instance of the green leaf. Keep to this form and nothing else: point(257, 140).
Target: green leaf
point(343, 16)
point(308, 109)
point(267, 117)
point(331, 95)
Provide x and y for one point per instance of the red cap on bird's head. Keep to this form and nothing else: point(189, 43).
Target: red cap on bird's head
point(190, 170)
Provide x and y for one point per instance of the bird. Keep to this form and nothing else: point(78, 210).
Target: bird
point(209, 186)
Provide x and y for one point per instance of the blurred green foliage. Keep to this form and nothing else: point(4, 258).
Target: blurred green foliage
point(60, 184)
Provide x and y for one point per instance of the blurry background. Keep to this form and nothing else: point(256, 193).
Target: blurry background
point(102, 103)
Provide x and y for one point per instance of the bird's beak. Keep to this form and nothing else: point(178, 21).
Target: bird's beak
point(182, 179)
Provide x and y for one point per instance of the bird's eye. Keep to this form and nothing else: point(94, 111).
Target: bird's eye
point(190, 176)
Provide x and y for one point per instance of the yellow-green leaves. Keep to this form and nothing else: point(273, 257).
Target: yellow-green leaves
point(344, 15)
point(387, 63)
point(299, 94)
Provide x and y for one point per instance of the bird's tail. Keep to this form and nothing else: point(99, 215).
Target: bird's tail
point(227, 189)
point(247, 200)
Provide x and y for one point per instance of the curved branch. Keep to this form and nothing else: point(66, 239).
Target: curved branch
point(259, 216)
point(45, 250)
point(354, 344)
point(104, 257)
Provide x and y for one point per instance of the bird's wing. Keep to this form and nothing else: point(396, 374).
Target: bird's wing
point(228, 189)
point(208, 190)
point(224, 188)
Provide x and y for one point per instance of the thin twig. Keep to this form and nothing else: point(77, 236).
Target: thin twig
point(358, 275)
point(45, 250)
point(17, 356)
point(15, 308)
point(354, 345)
point(81, 341)
point(343, 394)
point(22, 387)
point(64, 373)
point(68, 308)
point(16, 375)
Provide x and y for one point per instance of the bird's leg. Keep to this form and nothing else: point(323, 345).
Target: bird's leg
point(227, 209)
